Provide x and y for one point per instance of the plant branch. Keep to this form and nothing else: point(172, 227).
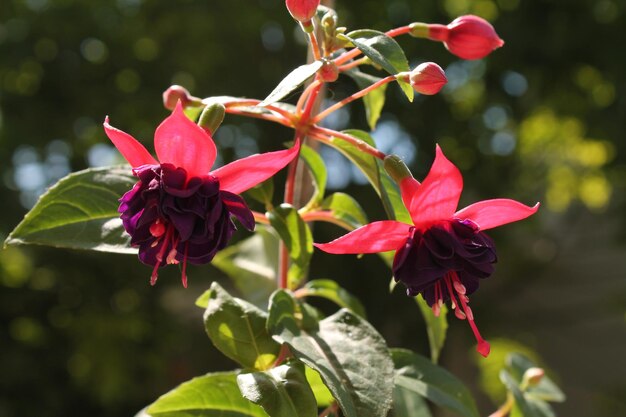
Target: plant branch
point(327, 135)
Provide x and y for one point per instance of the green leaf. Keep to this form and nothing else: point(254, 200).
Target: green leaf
point(521, 403)
point(251, 264)
point(346, 209)
point(349, 354)
point(323, 396)
point(374, 101)
point(384, 51)
point(237, 329)
point(211, 395)
point(263, 193)
point(80, 212)
point(373, 170)
point(330, 290)
point(252, 110)
point(407, 403)
point(297, 237)
point(316, 166)
point(282, 391)
point(545, 390)
point(419, 375)
point(436, 327)
point(295, 79)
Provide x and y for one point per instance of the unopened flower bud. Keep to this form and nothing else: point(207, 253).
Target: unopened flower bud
point(533, 377)
point(302, 10)
point(396, 168)
point(212, 117)
point(329, 71)
point(468, 37)
point(427, 78)
point(176, 93)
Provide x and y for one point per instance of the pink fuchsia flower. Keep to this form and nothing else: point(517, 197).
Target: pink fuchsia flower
point(180, 211)
point(468, 37)
point(445, 253)
point(302, 10)
point(428, 78)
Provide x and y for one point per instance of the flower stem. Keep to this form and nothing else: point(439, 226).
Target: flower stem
point(331, 409)
point(353, 64)
point(353, 97)
point(504, 408)
point(260, 217)
point(315, 48)
point(253, 102)
point(325, 216)
point(327, 136)
point(305, 95)
point(353, 53)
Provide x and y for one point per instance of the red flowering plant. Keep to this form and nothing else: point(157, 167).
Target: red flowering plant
point(292, 360)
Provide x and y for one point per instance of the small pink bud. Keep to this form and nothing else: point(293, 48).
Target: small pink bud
point(468, 37)
point(428, 78)
point(172, 95)
point(329, 72)
point(302, 10)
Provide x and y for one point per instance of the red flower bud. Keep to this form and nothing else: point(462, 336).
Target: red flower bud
point(172, 95)
point(468, 37)
point(428, 78)
point(302, 10)
point(329, 72)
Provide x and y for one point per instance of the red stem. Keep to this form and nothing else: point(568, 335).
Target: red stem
point(353, 97)
point(327, 135)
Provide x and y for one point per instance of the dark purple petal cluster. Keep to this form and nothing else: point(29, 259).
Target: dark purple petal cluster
point(173, 219)
point(427, 256)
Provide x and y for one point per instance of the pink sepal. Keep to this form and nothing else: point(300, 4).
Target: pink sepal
point(133, 151)
point(182, 143)
point(243, 174)
point(374, 237)
point(488, 214)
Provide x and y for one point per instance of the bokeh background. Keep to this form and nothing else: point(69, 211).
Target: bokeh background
point(541, 119)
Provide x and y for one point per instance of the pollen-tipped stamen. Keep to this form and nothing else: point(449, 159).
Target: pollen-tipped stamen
point(184, 271)
point(483, 346)
point(159, 255)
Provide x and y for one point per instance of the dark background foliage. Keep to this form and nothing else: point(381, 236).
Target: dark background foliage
point(540, 119)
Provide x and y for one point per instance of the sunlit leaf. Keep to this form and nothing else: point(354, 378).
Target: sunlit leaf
point(374, 101)
point(251, 264)
point(407, 403)
point(350, 355)
point(330, 290)
point(80, 212)
point(316, 166)
point(282, 391)
point(436, 327)
point(295, 79)
point(215, 394)
point(420, 376)
point(384, 51)
point(345, 209)
point(521, 403)
point(323, 396)
point(263, 193)
point(237, 329)
point(297, 237)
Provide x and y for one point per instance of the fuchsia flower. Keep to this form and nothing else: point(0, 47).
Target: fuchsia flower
point(468, 37)
point(444, 253)
point(179, 210)
point(428, 78)
point(302, 10)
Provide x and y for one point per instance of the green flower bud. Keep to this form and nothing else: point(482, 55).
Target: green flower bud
point(212, 117)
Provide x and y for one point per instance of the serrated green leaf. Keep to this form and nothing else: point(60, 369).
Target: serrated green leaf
point(330, 290)
point(237, 329)
point(80, 212)
point(373, 170)
point(346, 209)
point(297, 237)
point(350, 356)
point(419, 375)
point(407, 403)
point(251, 264)
point(282, 391)
point(211, 395)
point(263, 192)
point(384, 51)
point(323, 396)
point(374, 101)
point(545, 390)
point(316, 166)
point(293, 80)
point(436, 327)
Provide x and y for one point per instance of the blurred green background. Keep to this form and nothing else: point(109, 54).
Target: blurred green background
point(541, 119)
